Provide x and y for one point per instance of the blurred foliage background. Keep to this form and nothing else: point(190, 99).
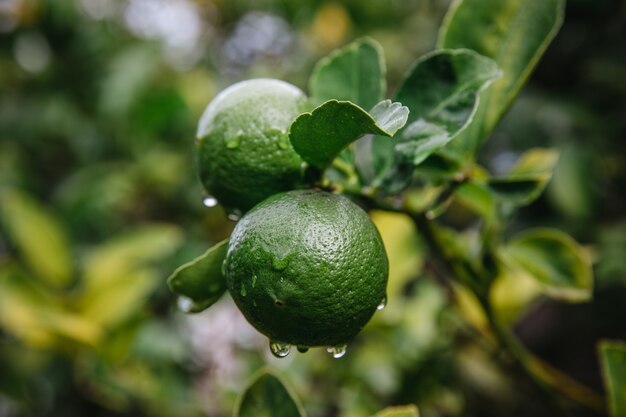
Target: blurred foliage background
point(99, 203)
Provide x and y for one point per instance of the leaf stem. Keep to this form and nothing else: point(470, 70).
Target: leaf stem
point(549, 383)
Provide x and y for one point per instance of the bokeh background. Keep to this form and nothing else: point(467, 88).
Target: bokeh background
point(99, 203)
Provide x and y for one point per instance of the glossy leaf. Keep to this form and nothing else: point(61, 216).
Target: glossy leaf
point(441, 92)
point(37, 236)
point(613, 361)
point(400, 411)
point(555, 260)
point(201, 280)
point(527, 179)
point(514, 33)
point(354, 73)
point(321, 135)
point(267, 396)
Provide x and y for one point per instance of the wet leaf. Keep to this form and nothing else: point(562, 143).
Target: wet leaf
point(267, 396)
point(321, 135)
point(201, 280)
point(39, 238)
point(554, 260)
point(613, 361)
point(515, 34)
point(354, 73)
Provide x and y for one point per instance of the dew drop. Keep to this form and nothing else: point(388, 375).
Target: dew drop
point(234, 215)
point(185, 304)
point(283, 142)
point(337, 351)
point(280, 264)
point(224, 269)
point(279, 349)
point(303, 349)
point(210, 201)
point(254, 278)
point(243, 290)
point(383, 303)
point(232, 142)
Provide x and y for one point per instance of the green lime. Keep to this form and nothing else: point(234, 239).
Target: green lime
point(243, 153)
point(306, 268)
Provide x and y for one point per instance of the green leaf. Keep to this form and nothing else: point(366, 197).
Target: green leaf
point(555, 260)
point(441, 91)
point(613, 361)
point(354, 73)
point(201, 280)
point(528, 178)
point(442, 86)
point(400, 411)
point(37, 236)
point(477, 198)
point(321, 135)
point(267, 396)
point(515, 33)
point(535, 161)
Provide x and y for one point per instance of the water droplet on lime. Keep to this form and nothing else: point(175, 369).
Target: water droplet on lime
point(382, 304)
point(254, 278)
point(232, 142)
point(210, 201)
point(185, 304)
point(279, 349)
point(303, 349)
point(337, 351)
point(234, 215)
point(280, 264)
point(243, 290)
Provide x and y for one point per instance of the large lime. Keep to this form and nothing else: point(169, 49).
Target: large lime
point(243, 153)
point(307, 268)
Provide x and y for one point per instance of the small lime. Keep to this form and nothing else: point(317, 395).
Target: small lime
point(307, 268)
point(243, 153)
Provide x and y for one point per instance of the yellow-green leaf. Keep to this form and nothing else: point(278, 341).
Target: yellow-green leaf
point(555, 260)
point(527, 179)
point(111, 261)
point(399, 411)
point(36, 234)
point(613, 361)
point(33, 315)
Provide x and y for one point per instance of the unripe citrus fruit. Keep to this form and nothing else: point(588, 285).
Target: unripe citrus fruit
point(243, 153)
point(306, 268)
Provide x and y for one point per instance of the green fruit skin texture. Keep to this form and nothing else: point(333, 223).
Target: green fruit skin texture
point(307, 268)
point(243, 153)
